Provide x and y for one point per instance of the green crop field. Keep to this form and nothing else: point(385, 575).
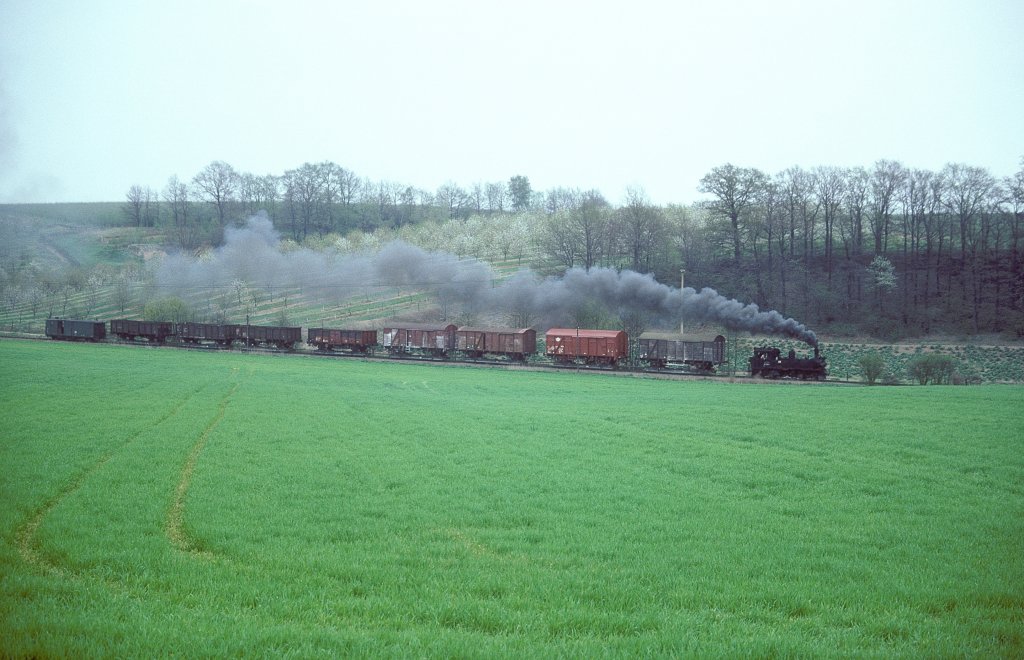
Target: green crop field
point(167, 502)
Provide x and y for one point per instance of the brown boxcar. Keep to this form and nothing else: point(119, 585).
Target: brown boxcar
point(154, 331)
point(329, 339)
point(590, 346)
point(75, 330)
point(516, 344)
point(194, 333)
point(269, 335)
point(419, 338)
point(660, 350)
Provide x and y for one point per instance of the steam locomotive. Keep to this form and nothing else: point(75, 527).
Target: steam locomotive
point(767, 362)
point(563, 346)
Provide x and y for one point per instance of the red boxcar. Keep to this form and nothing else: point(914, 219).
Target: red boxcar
point(419, 338)
point(516, 344)
point(329, 339)
point(590, 346)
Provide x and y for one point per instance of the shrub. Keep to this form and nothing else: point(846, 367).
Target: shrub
point(170, 308)
point(872, 366)
point(932, 368)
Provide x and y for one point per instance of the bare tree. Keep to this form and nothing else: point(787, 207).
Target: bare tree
point(643, 227)
point(831, 186)
point(135, 202)
point(858, 188)
point(967, 189)
point(798, 187)
point(176, 195)
point(735, 190)
point(558, 240)
point(886, 180)
point(218, 183)
point(590, 220)
point(561, 199)
point(303, 195)
point(497, 194)
point(452, 199)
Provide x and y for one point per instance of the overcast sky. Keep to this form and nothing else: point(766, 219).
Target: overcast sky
point(98, 95)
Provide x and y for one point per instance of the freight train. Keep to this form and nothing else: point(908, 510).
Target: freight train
point(563, 346)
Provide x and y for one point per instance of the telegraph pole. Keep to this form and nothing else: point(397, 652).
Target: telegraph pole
point(682, 285)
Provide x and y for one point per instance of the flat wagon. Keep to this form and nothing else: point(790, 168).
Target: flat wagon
point(76, 329)
point(605, 347)
point(330, 339)
point(419, 338)
point(515, 344)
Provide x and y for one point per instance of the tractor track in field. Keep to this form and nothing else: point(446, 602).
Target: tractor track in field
point(25, 536)
point(175, 529)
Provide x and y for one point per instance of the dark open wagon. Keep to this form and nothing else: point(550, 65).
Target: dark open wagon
point(217, 333)
point(332, 339)
point(152, 331)
point(269, 335)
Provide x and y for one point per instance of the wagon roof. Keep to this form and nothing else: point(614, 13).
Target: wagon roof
point(675, 336)
point(580, 332)
point(504, 331)
point(402, 325)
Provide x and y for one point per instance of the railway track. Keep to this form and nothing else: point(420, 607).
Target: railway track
point(539, 365)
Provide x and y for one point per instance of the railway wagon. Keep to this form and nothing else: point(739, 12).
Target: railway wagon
point(76, 329)
point(516, 344)
point(660, 349)
point(269, 335)
point(329, 339)
point(606, 347)
point(152, 331)
point(196, 333)
point(419, 338)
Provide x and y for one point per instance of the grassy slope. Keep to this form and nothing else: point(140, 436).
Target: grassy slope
point(160, 501)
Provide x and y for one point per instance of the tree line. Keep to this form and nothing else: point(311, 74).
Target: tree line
point(901, 250)
point(887, 250)
point(312, 199)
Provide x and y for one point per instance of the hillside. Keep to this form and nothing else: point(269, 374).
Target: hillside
point(74, 261)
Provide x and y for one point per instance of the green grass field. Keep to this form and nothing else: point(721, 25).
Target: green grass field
point(159, 501)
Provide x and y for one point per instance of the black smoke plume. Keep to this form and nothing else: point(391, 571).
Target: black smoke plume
point(253, 254)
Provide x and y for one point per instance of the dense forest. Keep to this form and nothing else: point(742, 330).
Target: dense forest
point(885, 251)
